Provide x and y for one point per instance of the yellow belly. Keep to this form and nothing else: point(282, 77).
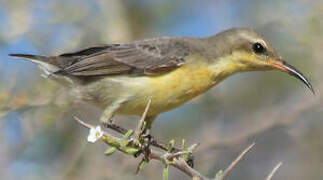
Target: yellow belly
point(169, 90)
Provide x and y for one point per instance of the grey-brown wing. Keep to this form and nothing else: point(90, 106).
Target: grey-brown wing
point(138, 58)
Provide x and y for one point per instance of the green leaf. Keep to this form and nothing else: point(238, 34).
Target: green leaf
point(171, 145)
point(128, 134)
point(131, 151)
point(141, 165)
point(110, 151)
point(165, 173)
point(183, 145)
point(218, 174)
point(192, 148)
point(144, 126)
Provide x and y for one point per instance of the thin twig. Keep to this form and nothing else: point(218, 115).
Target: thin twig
point(235, 162)
point(184, 167)
point(272, 173)
point(177, 154)
point(83, 123)
point(139, 129)
point(116, 128)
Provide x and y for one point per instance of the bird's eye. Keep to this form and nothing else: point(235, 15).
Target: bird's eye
point(258, 48)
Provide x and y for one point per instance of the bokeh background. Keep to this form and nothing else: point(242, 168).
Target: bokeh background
point(40, 140)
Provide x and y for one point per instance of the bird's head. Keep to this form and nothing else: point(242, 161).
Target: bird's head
point(242, 49)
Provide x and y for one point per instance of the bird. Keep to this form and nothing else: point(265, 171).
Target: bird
point(168, 71)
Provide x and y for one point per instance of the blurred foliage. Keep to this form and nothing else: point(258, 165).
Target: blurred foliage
point(39, 138)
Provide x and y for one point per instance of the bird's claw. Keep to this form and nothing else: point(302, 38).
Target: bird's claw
point(144, 142)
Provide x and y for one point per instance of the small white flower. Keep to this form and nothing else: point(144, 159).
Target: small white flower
point(95, 134)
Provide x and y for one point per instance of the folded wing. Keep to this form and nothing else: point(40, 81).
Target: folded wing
point(139, 58)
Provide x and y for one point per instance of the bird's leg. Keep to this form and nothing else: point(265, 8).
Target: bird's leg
point(107, 117)
point(142, 129)
point(143, 126)
point(148, 140)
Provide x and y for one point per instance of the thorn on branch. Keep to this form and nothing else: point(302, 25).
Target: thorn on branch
point(140, 128)
point(272, 173)
point(227, 171)
point(83, 123)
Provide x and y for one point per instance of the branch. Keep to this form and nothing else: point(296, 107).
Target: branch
point(118, 143)
point(235, 163)
point(176, 159)
point(272, 173)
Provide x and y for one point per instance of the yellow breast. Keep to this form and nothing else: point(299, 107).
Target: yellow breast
point(179, 86)
point(172, 89)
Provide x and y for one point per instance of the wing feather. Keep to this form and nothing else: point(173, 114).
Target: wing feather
point(140, 58)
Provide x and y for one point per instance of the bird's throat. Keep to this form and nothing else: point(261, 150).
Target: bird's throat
point(234, 63)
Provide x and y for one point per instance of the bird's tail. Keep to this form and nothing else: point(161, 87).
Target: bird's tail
point(43, 62)
point(50, 66)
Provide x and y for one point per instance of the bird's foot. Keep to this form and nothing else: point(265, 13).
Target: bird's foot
point(146, 140)
point(143, 139)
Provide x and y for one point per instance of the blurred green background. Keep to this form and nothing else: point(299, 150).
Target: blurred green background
point(39, 138)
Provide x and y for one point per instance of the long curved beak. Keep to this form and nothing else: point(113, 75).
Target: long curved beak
point(285, 67)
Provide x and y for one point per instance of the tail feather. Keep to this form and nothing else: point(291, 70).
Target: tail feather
point(42, 61)
point(29, 56)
